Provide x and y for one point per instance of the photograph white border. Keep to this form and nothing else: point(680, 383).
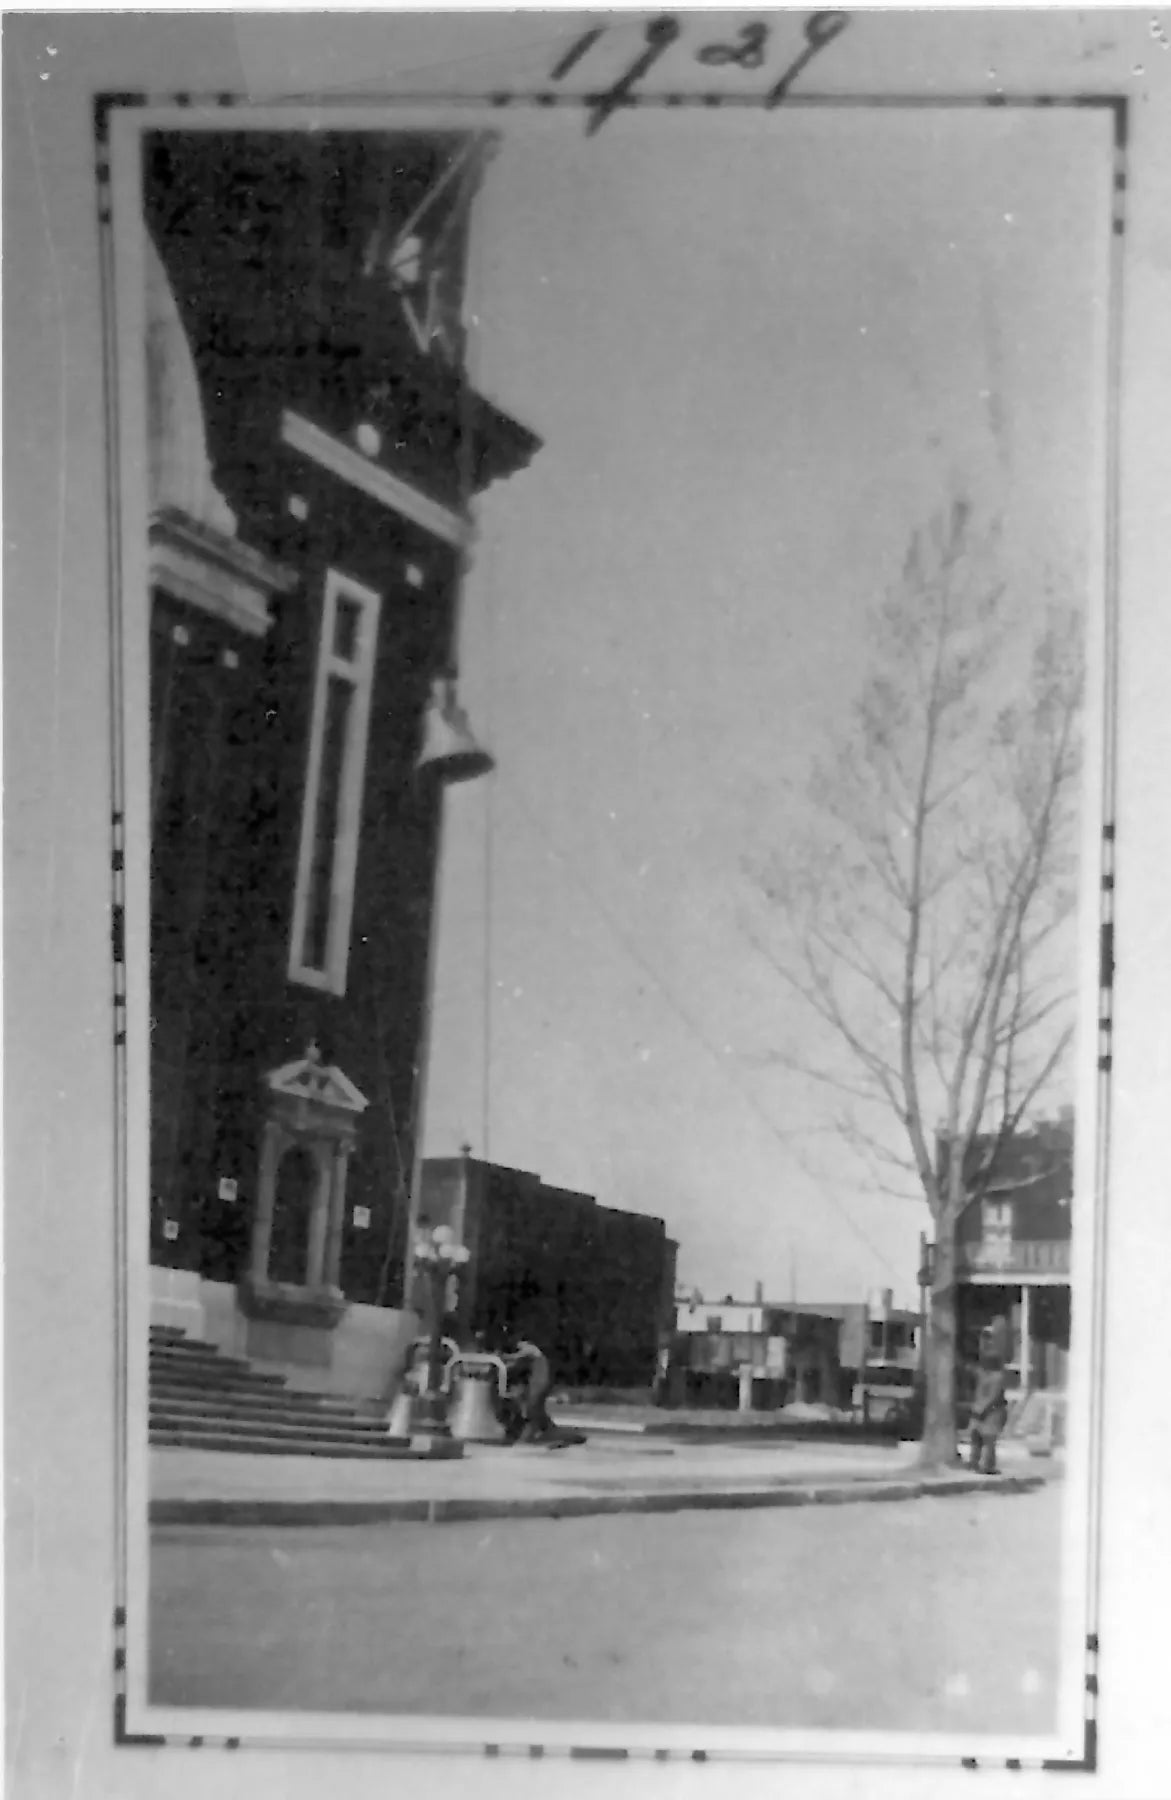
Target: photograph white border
point(130, 615)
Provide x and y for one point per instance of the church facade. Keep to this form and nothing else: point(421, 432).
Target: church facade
point(315, 448)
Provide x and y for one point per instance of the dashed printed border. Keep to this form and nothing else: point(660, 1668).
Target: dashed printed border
point(597, 106)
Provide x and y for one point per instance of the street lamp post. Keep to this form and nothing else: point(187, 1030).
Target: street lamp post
point(437, 1256)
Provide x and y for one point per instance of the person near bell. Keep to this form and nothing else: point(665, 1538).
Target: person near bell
point(530, 1383)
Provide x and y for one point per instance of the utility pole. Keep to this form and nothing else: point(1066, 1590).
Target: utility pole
point(924, 1290)
point(864, 1360)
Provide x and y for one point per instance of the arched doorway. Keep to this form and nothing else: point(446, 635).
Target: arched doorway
point(296, 1185)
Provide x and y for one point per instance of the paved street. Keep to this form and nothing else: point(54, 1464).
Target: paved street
point(925, 1614)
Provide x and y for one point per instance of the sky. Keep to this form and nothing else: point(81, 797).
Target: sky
point(759, 350)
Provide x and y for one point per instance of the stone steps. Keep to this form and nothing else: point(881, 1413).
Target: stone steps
point(1039, 1421)
point(212, 1374)
point(227, 1396)
point(271, 1389)
point(291, 1432)
point(186, 1404)
point(203, 1399)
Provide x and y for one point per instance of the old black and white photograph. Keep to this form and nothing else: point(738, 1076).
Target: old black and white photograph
point(620, 605)
point(613, 659)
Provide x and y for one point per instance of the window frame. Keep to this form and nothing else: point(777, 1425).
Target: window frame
point(996, 1217)
point(358, 672)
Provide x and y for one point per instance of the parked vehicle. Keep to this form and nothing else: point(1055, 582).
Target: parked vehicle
point(886, 1389)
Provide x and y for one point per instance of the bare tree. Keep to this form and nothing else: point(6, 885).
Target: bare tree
point(925, 908)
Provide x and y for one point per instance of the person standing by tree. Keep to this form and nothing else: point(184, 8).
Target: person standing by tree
point(989, 1404)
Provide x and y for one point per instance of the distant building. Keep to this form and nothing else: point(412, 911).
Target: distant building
point(768, 1354)
point(721, 1344)
point(591, 1284)
point(1012, 1253)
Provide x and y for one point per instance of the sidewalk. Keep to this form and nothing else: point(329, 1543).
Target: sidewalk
point(606, 1475)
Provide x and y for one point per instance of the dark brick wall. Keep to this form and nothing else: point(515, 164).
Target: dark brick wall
point(586, 1282)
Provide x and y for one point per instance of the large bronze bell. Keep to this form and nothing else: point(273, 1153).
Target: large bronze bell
point(449, 752)
point(474, 1418)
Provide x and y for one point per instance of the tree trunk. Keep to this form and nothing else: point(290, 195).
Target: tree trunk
point(938, 1448)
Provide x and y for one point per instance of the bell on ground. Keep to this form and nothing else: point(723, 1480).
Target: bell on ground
point(473, 1417)
point(450, 752)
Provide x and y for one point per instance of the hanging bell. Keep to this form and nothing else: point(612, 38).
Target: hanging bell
point(449, 752)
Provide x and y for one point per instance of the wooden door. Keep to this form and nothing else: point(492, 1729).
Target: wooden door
point(296, 1184)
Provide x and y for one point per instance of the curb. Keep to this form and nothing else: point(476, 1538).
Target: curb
point(571, 1506)
point(795, 1432)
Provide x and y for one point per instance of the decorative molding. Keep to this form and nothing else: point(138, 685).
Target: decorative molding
point(372, 479)
point(283, 1303)
point(180, 471)
point(205, 567)
point(312, 1107)
point(322, 1085)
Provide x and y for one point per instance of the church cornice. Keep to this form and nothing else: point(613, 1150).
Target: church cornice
point(372, 478)
point(203, 566)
